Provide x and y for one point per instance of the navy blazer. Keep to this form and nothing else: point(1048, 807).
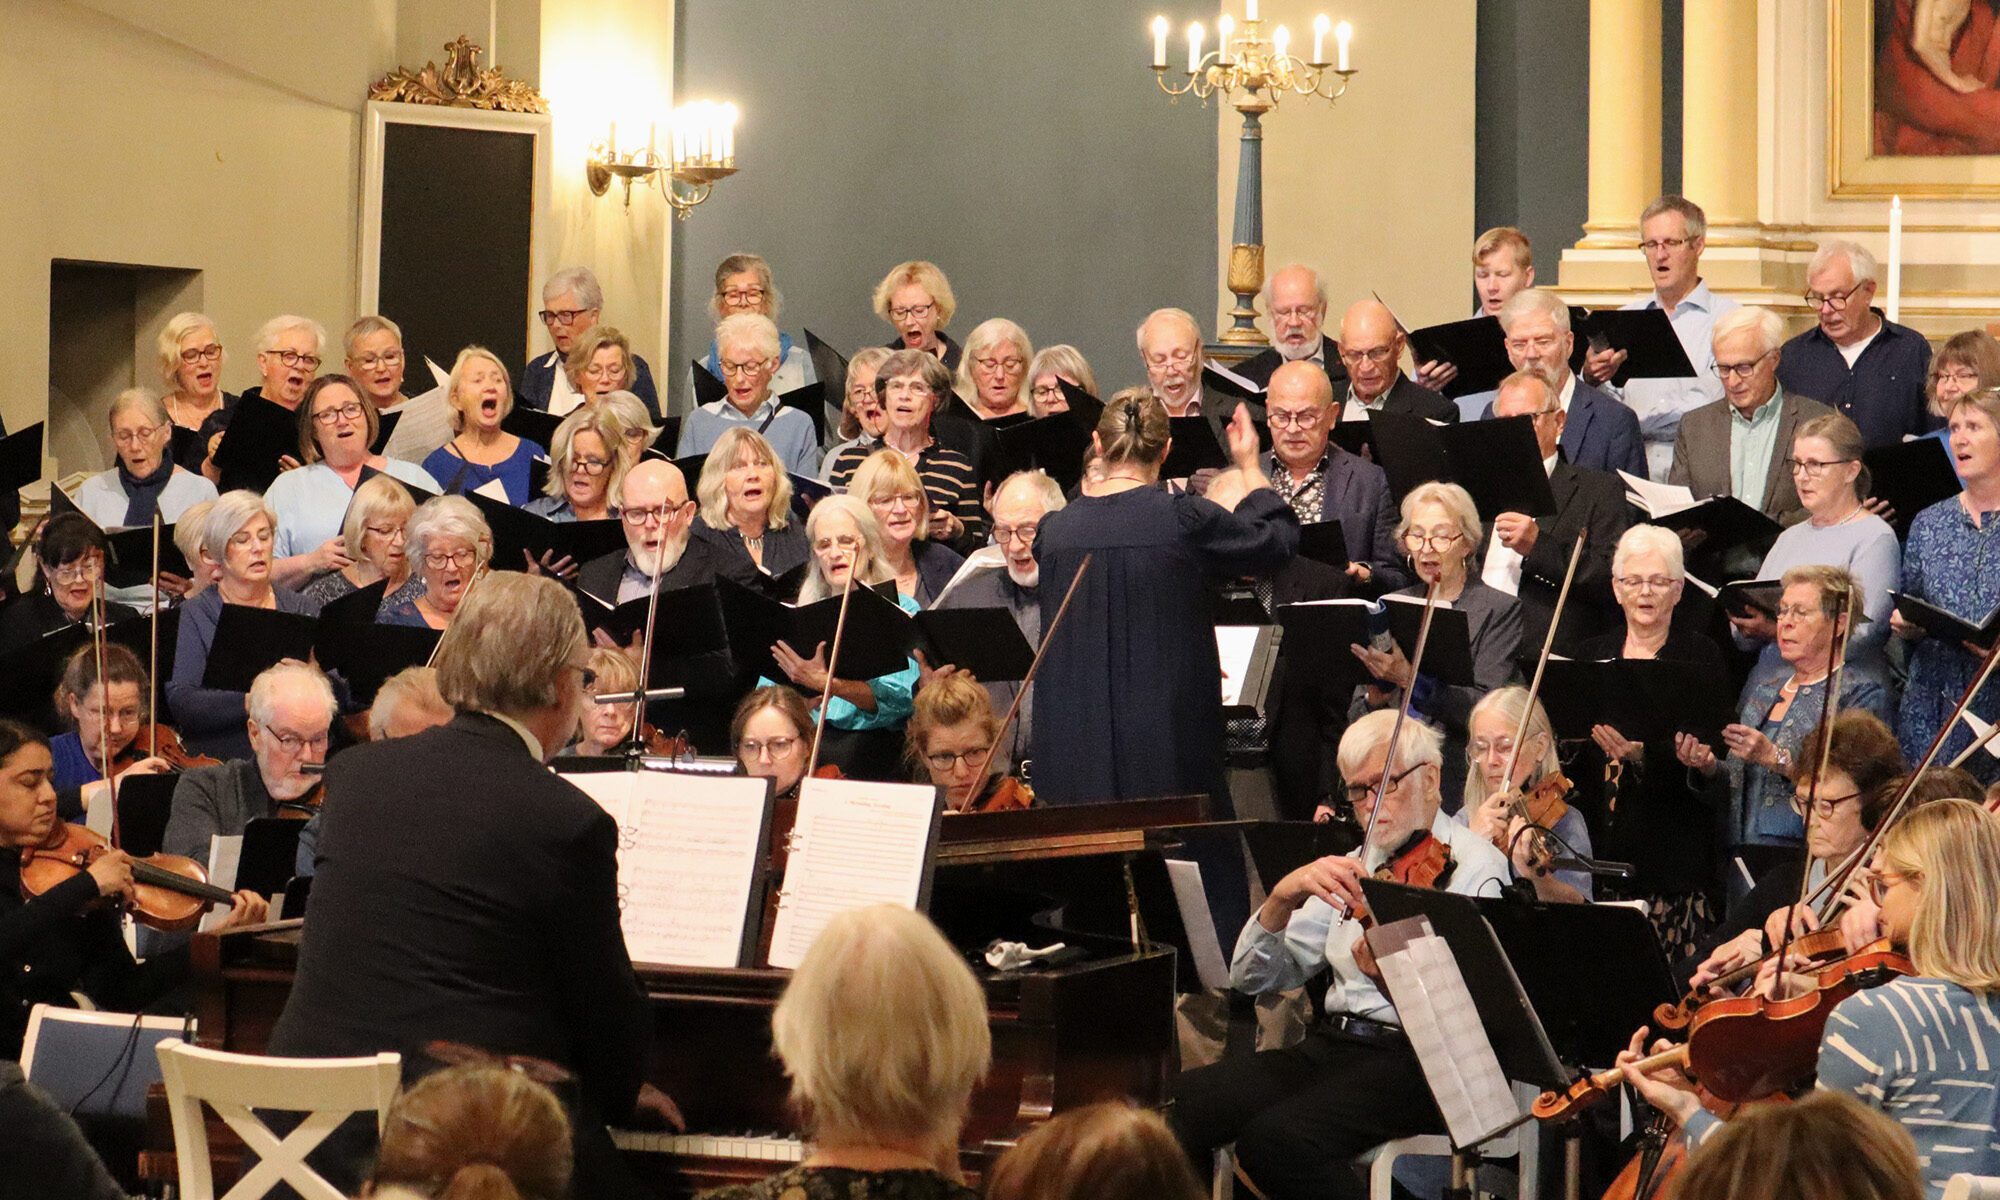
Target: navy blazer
point(538, 381)
point(1601, 434)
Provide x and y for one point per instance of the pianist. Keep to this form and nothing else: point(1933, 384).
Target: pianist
point(883, 1032)
point(466, 893)
point(1300, 1115)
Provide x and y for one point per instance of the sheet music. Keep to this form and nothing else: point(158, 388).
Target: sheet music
point(856, 843)
point(1235, 644)
point(1657, 499)
point(688, 850)
point(1191, 897)
point(493, 489)
point(1438, 1014)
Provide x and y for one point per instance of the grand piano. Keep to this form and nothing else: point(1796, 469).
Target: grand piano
point(1093, 1022)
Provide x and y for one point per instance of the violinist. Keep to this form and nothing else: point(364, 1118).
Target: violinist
point(605, 728)
point(1919, 1046)
point(1299, 1115)
point(62, 942)
point(772, 733)
point(1493, 805)
point(950, 735)
point(69, 559)
point(291, 707)
point(107, 713)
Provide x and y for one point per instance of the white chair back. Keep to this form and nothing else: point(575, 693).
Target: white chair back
point(327, 1090)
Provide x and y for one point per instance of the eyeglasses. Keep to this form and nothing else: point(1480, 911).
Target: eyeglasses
point(1180, 357)
point(899, 500)
point(564, 317)
point(772, 748)
point(293, 743)
point(1534, 345)
point(1742, 370)
point(1829, 299)
point(1357, 792)
point(1654, 245)
point(333, 416)
point(293, 358)
point(1799, 612)
point(388, 533)
point(911, 312)
point(1025, 534)
point(1302, 313)
point(1005, 365)
point(947, 760)
point(1431, 541)
point(845, 541)
point(198, 354)
point(739, 296)
point(1646, 583)
point(1047, 391)
point(1961, 377)
point(1481, 747)
point(1883, 881)
point(1378, 355)
point(1304, 422)
point(90, 566)
point(744, 368)
point(451, 558)
point(388, 358)
point(646, 516)
point(1821, 806)
point(136, 437)
point(605, 371)
point(121, 716)
point(590, 466)
point(1811, 469)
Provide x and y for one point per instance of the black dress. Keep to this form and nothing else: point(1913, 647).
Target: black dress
point(1129, 700)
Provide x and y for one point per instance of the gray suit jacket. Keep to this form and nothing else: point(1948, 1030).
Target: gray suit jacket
point(1701, 455)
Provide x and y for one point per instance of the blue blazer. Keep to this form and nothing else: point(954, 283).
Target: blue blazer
point(1601, 434)
point(538, 381)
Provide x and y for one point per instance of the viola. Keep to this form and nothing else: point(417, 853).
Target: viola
point(1008, 794)
point(168, 893)
point(1817, 946)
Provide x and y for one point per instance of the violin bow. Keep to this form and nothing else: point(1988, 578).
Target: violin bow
point(1831, 700)
point(1541, 665)
point(103, 708)
point(1035, 664)
point(153, 654)
point(832, 656)
point(1402, 714)
point(646, 653)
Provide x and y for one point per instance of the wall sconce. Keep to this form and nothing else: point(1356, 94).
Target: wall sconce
point(701, 148)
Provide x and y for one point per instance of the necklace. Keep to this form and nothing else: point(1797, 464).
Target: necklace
point(1852, 513)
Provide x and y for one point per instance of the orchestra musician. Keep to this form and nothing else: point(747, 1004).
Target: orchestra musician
point(771, 734)
point(69, 557)
point(291, 708)
point(1491, 799)
point(883, 1031)
point(482, 914)
point(1915, 1047)
point(107, 711)
point(62, 941)
point(1299, 1115)
point(950, 733)
point(605, 728)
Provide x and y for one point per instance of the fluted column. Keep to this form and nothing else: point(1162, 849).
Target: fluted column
point(1624, 117)
point(1719, 111)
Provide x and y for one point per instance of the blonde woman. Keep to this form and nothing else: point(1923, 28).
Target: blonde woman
point(585, 467)
point(1052, 367)
point(373, 535)
point(1490, 795)
point(746, 502)
point(480, 451)
point(916, 298)
point(993, 374)
point(599, 363)
point(892, 489)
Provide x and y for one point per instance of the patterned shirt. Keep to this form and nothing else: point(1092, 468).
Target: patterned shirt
point(1308, 496)
point(951, 483)
point(1955, 565)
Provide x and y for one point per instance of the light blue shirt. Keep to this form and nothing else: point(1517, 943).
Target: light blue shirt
point(102, 498)
point(1752, 442)
point(1318, 933)
point(311, 502)
point(1660, 403)
point(791, 433)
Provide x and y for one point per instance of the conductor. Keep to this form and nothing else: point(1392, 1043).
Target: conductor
point(465, 893)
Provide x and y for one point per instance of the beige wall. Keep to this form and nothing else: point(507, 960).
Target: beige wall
point(1375, 191)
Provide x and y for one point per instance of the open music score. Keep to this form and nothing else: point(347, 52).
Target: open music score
point(855, 843)
point(691, 858)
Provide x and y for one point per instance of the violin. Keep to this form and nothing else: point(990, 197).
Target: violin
point(1005, 795)
point(1422, 862)
point(1816, 947)
point(168, 892)
point(1541, 807)
point(155, 740)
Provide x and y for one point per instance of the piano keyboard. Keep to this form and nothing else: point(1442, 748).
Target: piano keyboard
point(742, 1148)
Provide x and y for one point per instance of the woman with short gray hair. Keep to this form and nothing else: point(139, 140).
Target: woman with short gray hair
point(449, 544)
point(743, 284)
point(146, 482)
point(191, 359)
point(750, 348)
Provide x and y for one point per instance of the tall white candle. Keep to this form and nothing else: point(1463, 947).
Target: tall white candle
point(729, 116)
point(611, 142)
point(1343, 33)
point(1281, 37)
point(1893, 306)
point(1224, 28)
point(1320, 26)
point(1159, 41)
point(1194, 47)
point(1249, 10)
point(652, 131)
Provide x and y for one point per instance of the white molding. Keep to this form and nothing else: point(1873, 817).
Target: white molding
point(378, 116)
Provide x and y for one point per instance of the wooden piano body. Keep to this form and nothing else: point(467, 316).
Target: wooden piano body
point(1096, 1023)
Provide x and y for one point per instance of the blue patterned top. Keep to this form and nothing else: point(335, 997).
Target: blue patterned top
point(1954, 564)
point(1762, 812)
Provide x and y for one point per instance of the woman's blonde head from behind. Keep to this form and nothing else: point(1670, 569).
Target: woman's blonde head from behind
point(475, 1133)
point(1109, 1151)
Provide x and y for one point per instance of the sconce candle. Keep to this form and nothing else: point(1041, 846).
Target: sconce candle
point(1320, 26)
point(1159, 41)
point(1343, 33)
point(1194, 47)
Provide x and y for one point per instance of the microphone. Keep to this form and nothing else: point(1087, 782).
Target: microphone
point(1595, 866)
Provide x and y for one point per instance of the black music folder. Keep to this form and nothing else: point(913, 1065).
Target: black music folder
point(1448, 653)
point(21, 457)
point(830, 368)
point(130, 563)
point(532, 425)
point(1498, 461)
point(1198, 443)
point(877, 641)
point(1055, 444)
point(707, 388)
point(261, 431)
point(32, 671)
point(1319, 639)
point(1356, 436)
point(689, 621)
point(366, 655)
point(520, 536)
point(1218, 380)
point(1724, 522)
point(1475, 346)
point(1647, 700)
point(1910, 477)
point(985, 641)
point(386, 423)
point(1750, 597)
point(358, 607)
point(1652, 349)
point(249, 640)
point(1324, 542)
point(1940, 623)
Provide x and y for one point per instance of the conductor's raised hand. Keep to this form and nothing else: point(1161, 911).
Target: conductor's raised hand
point(1243, 444)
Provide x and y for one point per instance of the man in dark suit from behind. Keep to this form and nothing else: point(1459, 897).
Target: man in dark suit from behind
point(1371, 348)
point(465, 893)
point(1528, 556)
point(1295, 296)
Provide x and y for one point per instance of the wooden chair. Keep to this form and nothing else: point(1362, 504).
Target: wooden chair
point(327, 1090)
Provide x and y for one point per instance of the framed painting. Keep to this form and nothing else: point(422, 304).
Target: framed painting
point(1913, 103)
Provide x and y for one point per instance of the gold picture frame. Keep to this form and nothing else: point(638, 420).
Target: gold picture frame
point(1854, 169)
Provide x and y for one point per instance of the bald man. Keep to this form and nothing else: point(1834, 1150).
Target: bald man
point(1371, 348)
point(653, 502)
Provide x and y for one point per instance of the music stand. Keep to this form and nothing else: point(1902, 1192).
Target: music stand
point(1629, 976)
